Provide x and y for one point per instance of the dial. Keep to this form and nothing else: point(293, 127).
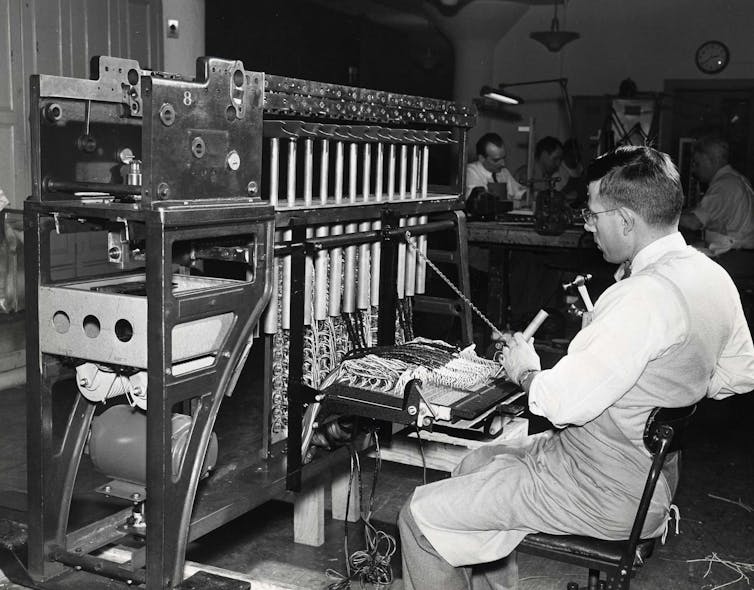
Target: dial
point(712, 57)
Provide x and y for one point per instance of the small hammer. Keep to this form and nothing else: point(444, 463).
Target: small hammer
point(580, 283)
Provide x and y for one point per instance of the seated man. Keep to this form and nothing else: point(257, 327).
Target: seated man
point(489, 167)
point(669, 333)
point(548, 157)
point(726, 211)
point(572, 170)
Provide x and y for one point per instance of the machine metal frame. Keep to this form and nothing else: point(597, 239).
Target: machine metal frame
point(200, 144)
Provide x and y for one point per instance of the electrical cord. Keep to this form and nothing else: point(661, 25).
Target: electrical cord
point(372, 564)
point(421, 452)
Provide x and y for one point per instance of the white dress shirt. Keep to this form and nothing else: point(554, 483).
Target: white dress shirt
point(640, 322)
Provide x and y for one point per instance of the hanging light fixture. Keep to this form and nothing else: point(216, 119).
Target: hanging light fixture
point(554, 39)
point(497, 94)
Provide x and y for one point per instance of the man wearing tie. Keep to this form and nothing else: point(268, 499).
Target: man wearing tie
point(670, 335)
point(489, 167)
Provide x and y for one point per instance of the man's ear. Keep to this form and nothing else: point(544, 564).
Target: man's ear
point(628, 219)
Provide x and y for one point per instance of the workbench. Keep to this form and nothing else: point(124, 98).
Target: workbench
point(501, 238)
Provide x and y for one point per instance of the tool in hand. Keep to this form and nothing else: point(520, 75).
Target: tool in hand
point(534, 325)
point(580, 283)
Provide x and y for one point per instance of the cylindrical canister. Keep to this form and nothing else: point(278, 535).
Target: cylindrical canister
point(118, 444)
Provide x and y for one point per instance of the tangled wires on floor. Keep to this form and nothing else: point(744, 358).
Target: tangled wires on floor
point(372, 564)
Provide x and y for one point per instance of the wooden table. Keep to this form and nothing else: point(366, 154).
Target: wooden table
point(501, 238)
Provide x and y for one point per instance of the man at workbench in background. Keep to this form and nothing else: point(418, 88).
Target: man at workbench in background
point(669, 333)
point(726, 211)
point(489, 168)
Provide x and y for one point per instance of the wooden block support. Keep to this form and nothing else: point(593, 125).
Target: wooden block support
point(339, 495)
point(309, 515)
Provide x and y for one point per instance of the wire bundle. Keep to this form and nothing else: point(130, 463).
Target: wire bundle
point(387, 369)
point(370, 565)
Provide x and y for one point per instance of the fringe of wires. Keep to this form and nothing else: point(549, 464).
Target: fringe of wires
point(372, 564)
point(742, 569)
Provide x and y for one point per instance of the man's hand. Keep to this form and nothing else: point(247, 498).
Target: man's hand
point(519, 356)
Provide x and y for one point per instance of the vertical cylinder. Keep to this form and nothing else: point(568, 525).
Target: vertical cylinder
point(349, 275)
point(320, 262)
point(336, 254)
point(376, 249)
point(271, 314)
point(400, 279)
point(421, 264)
point(411, 252)
point(365, 284)
point(308, 193)
point(285, 303)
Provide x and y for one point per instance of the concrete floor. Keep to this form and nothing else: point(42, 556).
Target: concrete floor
point(718, 461)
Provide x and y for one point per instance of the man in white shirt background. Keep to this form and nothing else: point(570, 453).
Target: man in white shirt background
point(726, 211)
point(489, 167)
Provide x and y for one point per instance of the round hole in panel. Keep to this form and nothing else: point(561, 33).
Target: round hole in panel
point(124, 331)
point(61, 322)
point(91, 326)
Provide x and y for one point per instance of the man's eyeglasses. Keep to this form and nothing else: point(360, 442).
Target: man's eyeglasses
point(590, 217)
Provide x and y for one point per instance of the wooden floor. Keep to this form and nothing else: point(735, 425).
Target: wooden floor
point(717, 486)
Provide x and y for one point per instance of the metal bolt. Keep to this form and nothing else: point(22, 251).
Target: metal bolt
point(114, 253)
point(163, 190)
point(252, 188)
point(197, 147)
point(427, 421)
point(108, 488)
point(84, 382)
point(412, 410)
point(135, 496)
point(167, 114)
point(233, 160)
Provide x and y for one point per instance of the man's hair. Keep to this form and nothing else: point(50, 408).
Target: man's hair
point(547, 145)
point(715, 146)
point(481, 144)
point(642, 179)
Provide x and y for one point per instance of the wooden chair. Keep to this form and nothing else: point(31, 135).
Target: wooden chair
point(663, 434)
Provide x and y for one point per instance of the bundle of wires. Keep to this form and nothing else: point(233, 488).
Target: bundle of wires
point(387, 369)
point(372, 564)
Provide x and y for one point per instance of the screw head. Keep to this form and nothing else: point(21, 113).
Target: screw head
point(233, 160)
point(167, 114)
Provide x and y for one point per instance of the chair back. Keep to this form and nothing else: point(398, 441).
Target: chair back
point(660, 419)
point(663, 433)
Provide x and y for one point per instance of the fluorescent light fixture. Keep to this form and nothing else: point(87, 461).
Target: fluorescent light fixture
point(500, 95)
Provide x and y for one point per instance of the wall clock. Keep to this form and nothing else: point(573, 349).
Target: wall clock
point(712, 57)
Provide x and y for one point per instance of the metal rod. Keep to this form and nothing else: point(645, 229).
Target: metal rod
point(285, 304)
point(320, 262)
point(421, 265)
point(336, 256)
point(349, 274)
point(308, 194)
point(271, 314)
point(365, 283)
point(376, 249)
point(53, 185)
